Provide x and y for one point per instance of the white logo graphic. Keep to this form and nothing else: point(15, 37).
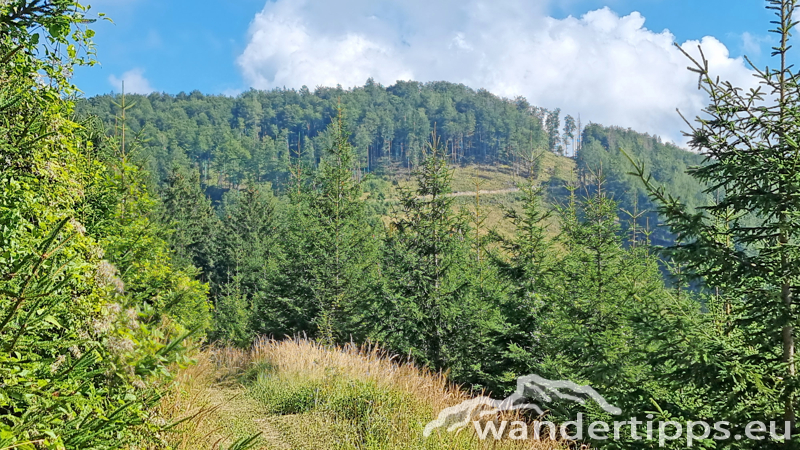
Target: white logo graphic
point(528, 387)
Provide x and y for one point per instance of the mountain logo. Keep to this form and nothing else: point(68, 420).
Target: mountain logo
point(528, 387)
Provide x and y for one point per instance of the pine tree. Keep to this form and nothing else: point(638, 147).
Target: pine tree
point(527, 262)
point(479, 338)
point(189, 214)
point(588, 307)
point(551, 125)
point(569, 132)
point(249, 258)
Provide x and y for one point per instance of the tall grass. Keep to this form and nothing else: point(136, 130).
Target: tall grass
point(303, 395)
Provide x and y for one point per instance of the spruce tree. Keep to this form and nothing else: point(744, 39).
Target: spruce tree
point(552, 124)
point(585, 312)
point(189, 214)
point(527, 262)
point(750, 141)
point(596, 287)
point(248, 261)
point(331, 247)
point(426, 257)
point(476, 346)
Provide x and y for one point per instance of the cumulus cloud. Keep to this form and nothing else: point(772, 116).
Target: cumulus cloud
point(135, 82)
point(232, 92)
point(752, 44)
point(607, 68)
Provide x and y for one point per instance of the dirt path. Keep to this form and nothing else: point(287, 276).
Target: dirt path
point(483, 192)
point(243, 416)
point(480, 192)
point(271, 437)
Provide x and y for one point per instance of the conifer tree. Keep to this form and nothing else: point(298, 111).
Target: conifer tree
point(192, 220)
point(584, 316)
point(425, 262)
point(475, 347)
point(589, 297)
point(85, 354)
point(569, 133)
point(750, 140)
point(552, 123)
point(331, 247)
point(530, 251)
point(248, 243)
point(527, 263)
point(249, 258)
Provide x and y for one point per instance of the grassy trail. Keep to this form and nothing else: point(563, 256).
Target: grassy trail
point(243, 417)
point(300, 395)
point(483, 192)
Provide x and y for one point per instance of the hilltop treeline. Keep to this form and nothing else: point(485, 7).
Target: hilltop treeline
point(261, 135)
point(258, 134)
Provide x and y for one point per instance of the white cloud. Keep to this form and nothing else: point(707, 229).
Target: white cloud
point(135, 82)
point(232, 92)
point(608, 68)
point(751, 44)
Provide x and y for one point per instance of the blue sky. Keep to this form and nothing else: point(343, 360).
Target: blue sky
point(557, 53)
point(179, 45)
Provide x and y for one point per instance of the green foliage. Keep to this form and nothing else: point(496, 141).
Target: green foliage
point(284, 398)
point(188, 214)
point(264, 197)
point(433, 305)
point(330, 246)
point(552, 122)
point(83, 354)
point(248, 264)
point(600, 153)
point(743, 248)
point(76, 369)
point(259, 136)
point(158, 281)
point(426, 247)
point(527, 262)
point(47, 37)
point(598, 288)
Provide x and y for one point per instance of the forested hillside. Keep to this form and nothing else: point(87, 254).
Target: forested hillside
point(258, 134)
point(603, 154)
point(138, 232)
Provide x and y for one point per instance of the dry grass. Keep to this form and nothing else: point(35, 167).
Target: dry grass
point(496, 184)
point(303, 395)
point(314, 361)
point(214, 412)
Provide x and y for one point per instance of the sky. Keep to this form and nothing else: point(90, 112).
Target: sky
point(610, 61)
